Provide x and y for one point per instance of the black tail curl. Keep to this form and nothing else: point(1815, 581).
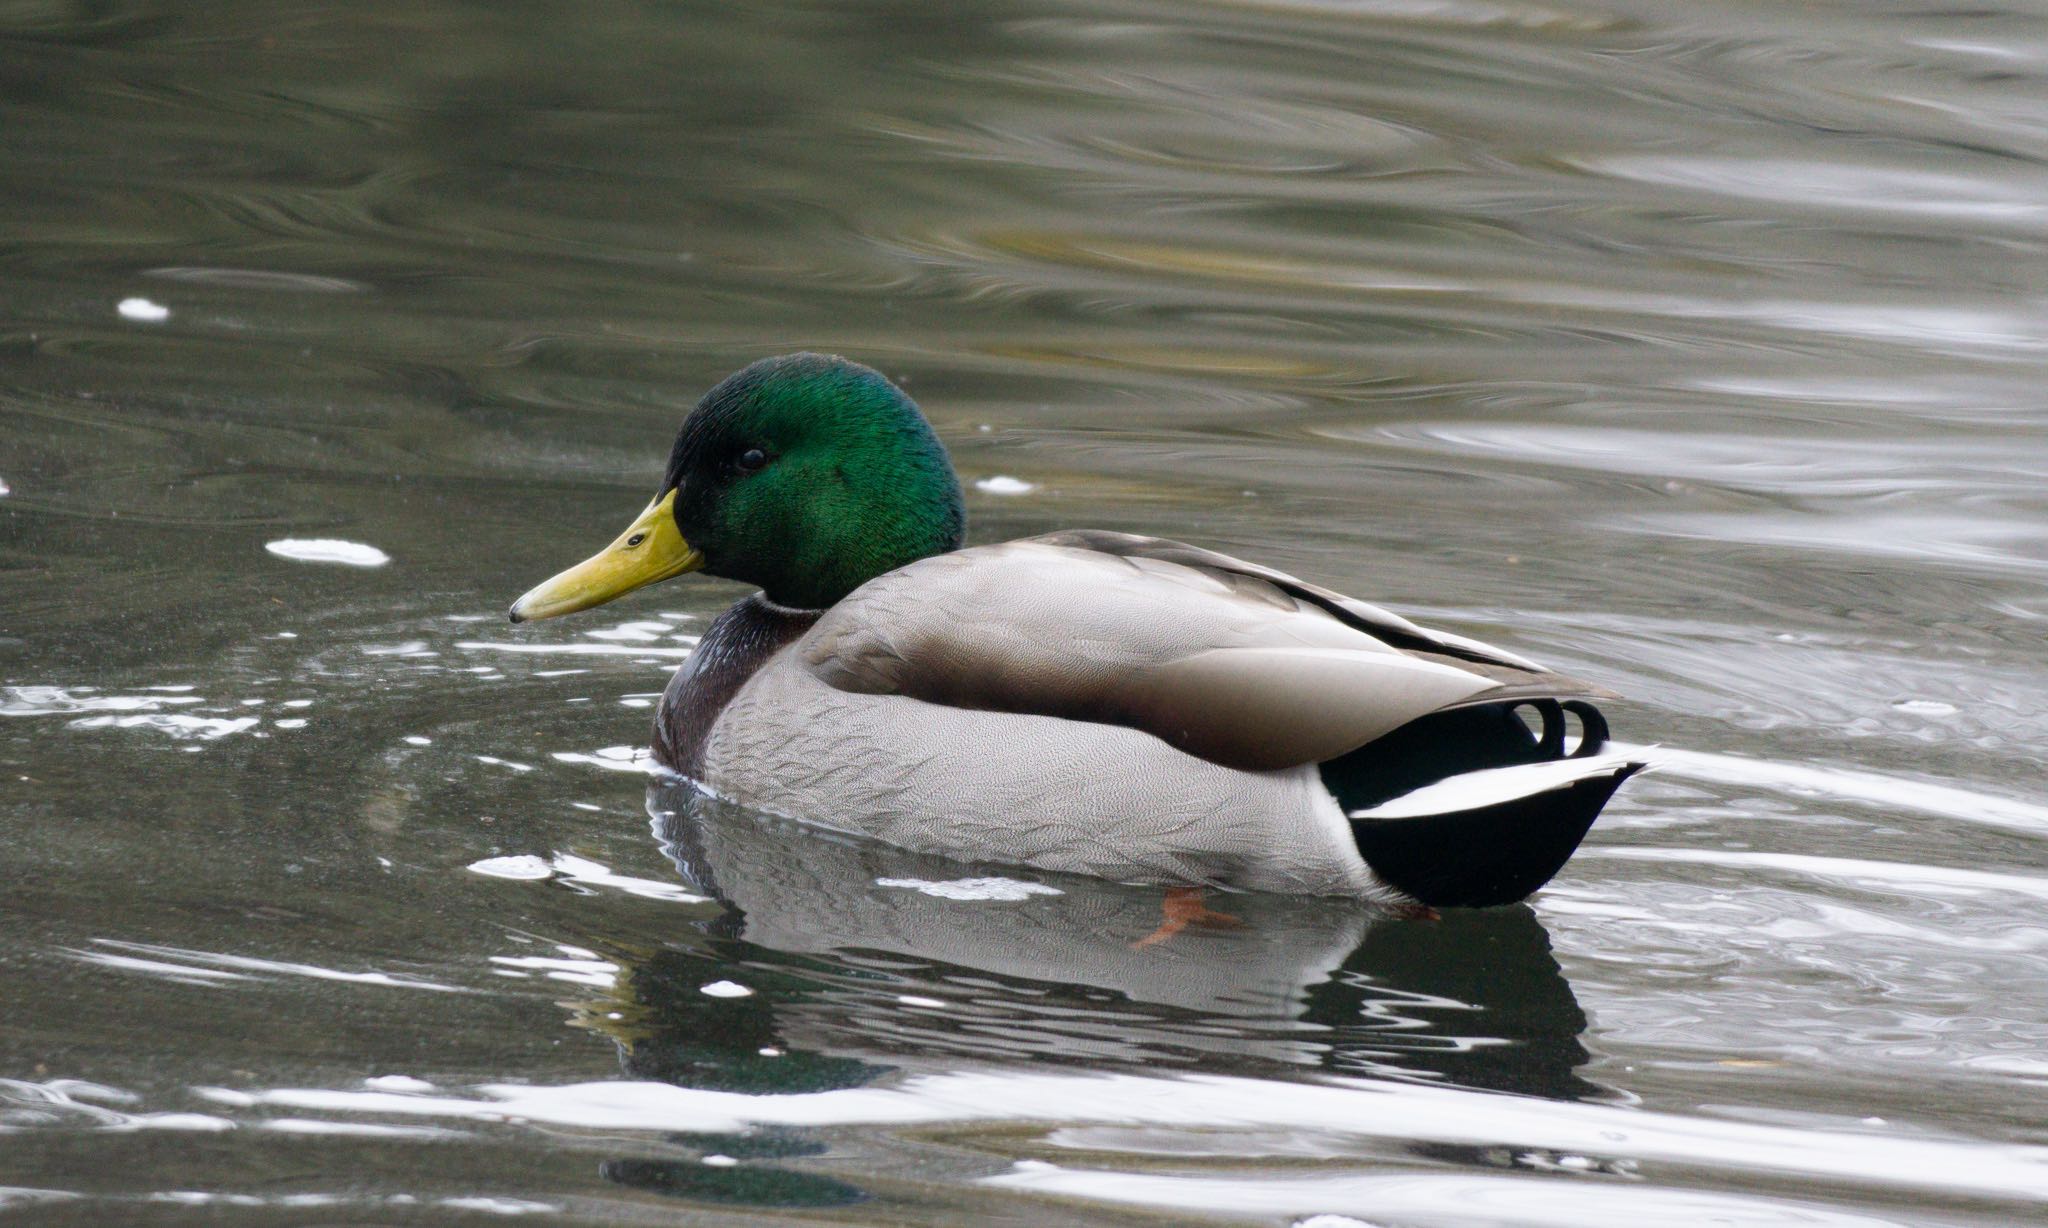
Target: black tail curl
point(1495, 854)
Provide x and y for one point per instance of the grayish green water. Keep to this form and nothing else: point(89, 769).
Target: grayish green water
point(1697, 349)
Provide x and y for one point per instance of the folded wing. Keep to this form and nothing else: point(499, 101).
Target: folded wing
point(1238, 664)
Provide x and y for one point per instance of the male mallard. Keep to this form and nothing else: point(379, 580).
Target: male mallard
point(1084, 701)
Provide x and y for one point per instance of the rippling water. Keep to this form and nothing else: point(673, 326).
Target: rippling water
point(1695, 349)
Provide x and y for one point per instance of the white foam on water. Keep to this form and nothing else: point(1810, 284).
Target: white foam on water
point(141, 309)
point(327, 550)
point(1926, 707)
point(1003, 484)
point(522, 866)
point(397, 1083)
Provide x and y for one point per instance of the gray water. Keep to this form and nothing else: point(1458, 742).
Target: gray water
point(1694, 349)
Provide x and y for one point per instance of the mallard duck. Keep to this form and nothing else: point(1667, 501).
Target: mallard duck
point(1085, 701)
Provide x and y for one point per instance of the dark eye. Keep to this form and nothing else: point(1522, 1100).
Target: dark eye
point(636, 539)
point(751, 459)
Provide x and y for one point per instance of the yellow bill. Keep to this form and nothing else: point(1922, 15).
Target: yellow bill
point(650, 550)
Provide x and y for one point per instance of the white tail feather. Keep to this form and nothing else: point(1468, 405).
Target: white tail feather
point(1492, 786)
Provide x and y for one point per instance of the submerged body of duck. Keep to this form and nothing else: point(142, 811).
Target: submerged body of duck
point(1127, 707)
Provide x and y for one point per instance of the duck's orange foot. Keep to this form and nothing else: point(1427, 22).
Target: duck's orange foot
point(1183, 907)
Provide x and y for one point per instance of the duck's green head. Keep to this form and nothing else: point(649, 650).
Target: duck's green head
point(807, 474)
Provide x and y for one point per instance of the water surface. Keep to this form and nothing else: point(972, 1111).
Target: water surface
point(1694, 349)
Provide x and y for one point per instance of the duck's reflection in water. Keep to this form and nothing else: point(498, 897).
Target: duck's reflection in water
point(837, 961)
point(857, 954)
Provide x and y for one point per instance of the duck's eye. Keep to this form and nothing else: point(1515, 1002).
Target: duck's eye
point(751, 459)
point(636, 539)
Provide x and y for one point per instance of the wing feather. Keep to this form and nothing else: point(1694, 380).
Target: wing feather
point(1235, 663)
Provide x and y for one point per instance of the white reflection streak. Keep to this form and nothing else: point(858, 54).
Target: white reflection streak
point(356, 1129)
point(208, 960)
point(635, 759)
point(1431, 1198)
point(1871, 787)
point(582, 872)
point(177, 725)
point(138, 711)
point(176, 972)
point(1355, 1109)
point(59, 701)
point(12, 1195)
point(1891, 875)
point(203, 1198)
point(596, 973)
point(68, 1102)
point(579, 650)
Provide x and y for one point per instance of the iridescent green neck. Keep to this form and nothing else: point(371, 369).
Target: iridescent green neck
point(852, 481)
